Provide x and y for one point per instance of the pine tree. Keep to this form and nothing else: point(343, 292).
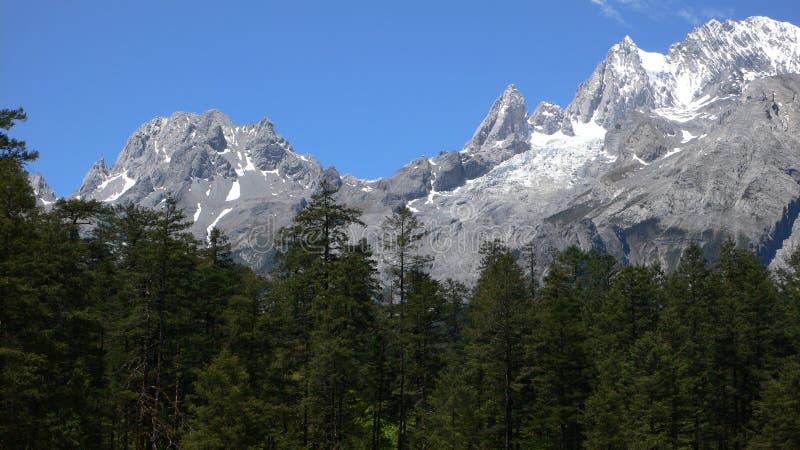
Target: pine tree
point(687, 327)
point(11, 148)
point(23, 319)
point(427, 342)
point(558, 346)
point(743, 342)
point(156, 260)
point(377, 374)
point(119, 329)
point(344, 322)
point(225, 412)
point(627, 314)
point(788, 308)
point(455, 298)
point(497, 323)
point(402, 234)
point(50, 339)
point(324, 295)
point(452, 417)
point(649, 408)
point(777, 413)
point(216, 279)
point(456, 419)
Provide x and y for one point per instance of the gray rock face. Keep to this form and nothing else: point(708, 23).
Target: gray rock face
point(747, 49)
point(618, 85)
point(502, 134)
point(448, 171)
point(736, 177)
point(96, 175)
point(41, 190)
point(412, 181)
point(238, 178)
point(643, 138)
point(548, 118)
point(715, 59)
point(655, 151)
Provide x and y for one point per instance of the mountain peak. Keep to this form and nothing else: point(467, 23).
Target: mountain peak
point(618, 84)
point(41, 190)
point(98, 168)
point(755, 28)
point(215, 115)
point(100, 165)
point(265, 124)
point(626, 42)
point(521, 170)
point(508, 98)
point(715, 59)
point(94, 177)
point(503, 133)
point(625, 46)
point(505, 118)
point(511, 89)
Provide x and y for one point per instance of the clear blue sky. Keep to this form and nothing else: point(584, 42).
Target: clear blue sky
point(365, 86)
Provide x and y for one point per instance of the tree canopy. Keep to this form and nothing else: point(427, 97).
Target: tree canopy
point(119, 329)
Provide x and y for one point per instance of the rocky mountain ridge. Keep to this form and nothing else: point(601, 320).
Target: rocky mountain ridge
point(654, 151)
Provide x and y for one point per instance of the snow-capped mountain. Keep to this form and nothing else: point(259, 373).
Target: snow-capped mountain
point(654, 151)
point(715, 60)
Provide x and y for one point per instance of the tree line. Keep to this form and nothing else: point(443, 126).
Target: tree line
point(119, 329)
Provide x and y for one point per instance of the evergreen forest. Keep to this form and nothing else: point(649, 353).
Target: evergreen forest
point(120, 330)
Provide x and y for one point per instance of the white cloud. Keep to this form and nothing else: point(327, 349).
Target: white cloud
point(658, 10)
point(696, 17)
point(689, 16)
point(609, 11)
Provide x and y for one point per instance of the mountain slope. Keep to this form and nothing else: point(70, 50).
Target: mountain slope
point(654, 151)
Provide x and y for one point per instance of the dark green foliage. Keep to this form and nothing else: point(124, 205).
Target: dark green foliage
point(777, 414)
point(322, 311)
point(51, 336)
point(629, 311)
point(225, 412)
point(498, 320)
point(11, 148)
point(119, 330)
point(402, 233)
point(559, 347)
point(456, 418)
point(16, 195)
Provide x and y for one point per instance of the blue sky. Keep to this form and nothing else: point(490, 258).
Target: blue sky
point(365, 86)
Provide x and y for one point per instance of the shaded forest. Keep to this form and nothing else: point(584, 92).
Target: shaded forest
point(118, 329)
